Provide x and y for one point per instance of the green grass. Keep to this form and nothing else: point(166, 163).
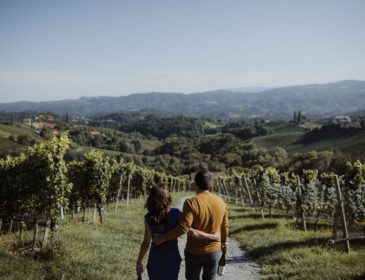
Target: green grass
point(285, 140)
point(8, 146)
point(85, 149)
point(109, 251)
point(82, 250)
point(284, 127)
point(353, 145)
point(287, 253)
point(17, 129)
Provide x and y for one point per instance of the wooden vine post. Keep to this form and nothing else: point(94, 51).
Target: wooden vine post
point(259, 198)
point(343, 215)
point(35, 235)
point(219, 188)
point(129, 188)
point(46, 233)
point(120, 186)
point(226, 191)
point(301, 204)
point(249, 193)
point(241, 194)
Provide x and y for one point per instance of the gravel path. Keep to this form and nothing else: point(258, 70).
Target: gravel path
point(238, 265)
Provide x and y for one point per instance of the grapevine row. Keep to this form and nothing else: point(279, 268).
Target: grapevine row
point(311, 195)
point(39, 185)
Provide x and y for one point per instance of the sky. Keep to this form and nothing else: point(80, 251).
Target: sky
point(65, 49)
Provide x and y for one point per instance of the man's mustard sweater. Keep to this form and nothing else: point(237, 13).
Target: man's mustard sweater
point(206, 212)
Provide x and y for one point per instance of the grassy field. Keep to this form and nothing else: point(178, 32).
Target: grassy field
point(17, 129)
point(286, 140)
point(82, 250)
point(8, 146)
point(284, 127)
point(287, 253)
point(290, 141)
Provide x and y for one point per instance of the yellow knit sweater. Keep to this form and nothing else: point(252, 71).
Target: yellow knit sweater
point(206, 212)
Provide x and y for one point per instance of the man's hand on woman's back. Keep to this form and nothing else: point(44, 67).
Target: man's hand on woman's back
point(158, 239)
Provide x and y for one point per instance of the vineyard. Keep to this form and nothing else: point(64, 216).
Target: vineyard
point(41, 190)
point(339, 200)
point(39, 187)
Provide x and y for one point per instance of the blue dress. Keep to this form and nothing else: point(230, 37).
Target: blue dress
point(164, 260)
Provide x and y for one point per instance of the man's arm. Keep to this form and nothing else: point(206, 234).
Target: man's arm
point(198, 234)
point(224, 231)
point(186, 220)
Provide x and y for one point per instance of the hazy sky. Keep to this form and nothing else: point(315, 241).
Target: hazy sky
point(66, 49)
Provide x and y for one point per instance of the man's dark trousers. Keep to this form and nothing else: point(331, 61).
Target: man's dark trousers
point(195, 263)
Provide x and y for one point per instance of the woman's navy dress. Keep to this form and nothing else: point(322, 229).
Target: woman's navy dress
point(164, 260)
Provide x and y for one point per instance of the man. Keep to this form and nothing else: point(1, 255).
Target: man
point(208, 213)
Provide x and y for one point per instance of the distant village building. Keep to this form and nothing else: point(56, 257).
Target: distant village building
point(47, 117)
point(94, 132)
point(44, 125)
point(343, 121)
point(27, 121)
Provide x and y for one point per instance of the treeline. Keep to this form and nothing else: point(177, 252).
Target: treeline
point(219, 152)
point(109, 140)
point(153, 124)
point(39, 186)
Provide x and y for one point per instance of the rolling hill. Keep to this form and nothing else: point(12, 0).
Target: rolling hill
point(316, 100)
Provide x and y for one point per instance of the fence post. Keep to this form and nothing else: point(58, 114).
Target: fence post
point(340, 200)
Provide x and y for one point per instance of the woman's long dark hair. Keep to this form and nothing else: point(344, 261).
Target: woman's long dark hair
point(158, 204)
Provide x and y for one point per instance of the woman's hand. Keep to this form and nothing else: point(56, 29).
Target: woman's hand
point(139, 267)
point(144, 248)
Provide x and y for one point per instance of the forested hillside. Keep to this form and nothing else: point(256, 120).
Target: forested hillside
point(180, 144)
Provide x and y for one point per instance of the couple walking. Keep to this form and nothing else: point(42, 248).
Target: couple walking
point(205, 221)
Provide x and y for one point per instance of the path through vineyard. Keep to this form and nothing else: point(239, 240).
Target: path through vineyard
point(238, 264)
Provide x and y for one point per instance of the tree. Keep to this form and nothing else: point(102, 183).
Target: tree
point(137, 145)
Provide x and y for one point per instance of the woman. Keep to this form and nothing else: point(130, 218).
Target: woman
point(164, 260)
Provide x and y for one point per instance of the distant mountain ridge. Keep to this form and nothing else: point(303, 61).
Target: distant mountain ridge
point(313, 100)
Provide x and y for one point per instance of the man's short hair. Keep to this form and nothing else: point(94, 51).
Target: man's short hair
point(203, 180)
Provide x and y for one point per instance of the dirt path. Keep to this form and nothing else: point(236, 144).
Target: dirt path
point(238, 265)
